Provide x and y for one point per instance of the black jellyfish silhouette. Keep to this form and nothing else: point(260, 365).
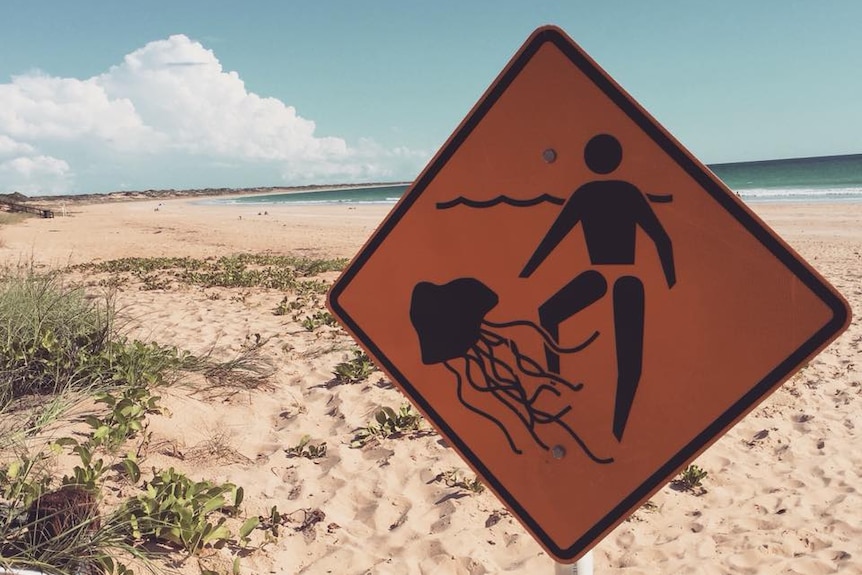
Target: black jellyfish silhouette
point(451, 324)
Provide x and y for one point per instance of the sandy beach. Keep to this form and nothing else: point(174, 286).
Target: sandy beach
point(782, 496)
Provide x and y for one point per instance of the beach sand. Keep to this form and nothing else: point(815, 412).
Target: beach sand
point(782, 493)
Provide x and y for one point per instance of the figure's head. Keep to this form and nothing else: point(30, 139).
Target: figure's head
point(603, 154)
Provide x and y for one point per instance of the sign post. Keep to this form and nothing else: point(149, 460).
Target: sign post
point(583, 566)
point(575, 302)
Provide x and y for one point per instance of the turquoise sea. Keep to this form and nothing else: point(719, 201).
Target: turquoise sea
point(380, 194)
point(828, 178)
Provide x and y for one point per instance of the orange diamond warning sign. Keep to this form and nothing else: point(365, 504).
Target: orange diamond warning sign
point(575, 302)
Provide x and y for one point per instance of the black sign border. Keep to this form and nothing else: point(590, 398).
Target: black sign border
point(709, 183)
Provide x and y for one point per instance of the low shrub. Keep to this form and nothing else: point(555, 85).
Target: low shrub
point(282, 272)
point(388, 422)
point(356, 369)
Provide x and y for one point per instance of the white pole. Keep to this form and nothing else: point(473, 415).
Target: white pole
point(583, 566)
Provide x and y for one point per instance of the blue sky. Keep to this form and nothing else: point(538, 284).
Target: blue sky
point(101, 95)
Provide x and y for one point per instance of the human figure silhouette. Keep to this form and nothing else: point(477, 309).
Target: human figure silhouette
point(610, 211)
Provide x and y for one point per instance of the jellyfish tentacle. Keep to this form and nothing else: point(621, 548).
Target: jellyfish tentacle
point(549, 341)
point(530, 367)
point(491, 336)
point(504, 397)
point(522, 398)
point(511, 379)
point(519, 394)
point(540, 389)
point(545, 417)
point(540, 416)
point(511, 387)
point(508, 388)
point(476, 410)
point(490, 385)
point(511, 396)
point(534, 416)
point(536, 370)
point(583, 445)
point(514, 389)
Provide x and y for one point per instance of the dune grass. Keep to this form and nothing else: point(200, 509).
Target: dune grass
point(9, 218)
point(58, 345)
point(48, 335)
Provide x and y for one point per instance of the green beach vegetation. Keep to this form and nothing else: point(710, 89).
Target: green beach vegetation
point(60, 348)
point(388, 423)
point(281, 272)
point(454, 478)
point(354, 370)
point(691, 479)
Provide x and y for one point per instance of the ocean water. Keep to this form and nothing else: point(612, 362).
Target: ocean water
point(822, 179)
point(827, 178)
point(388, 194)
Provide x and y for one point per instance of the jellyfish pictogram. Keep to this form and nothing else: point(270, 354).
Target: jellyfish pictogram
point(450, 321)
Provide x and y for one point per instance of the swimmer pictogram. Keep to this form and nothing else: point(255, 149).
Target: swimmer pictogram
point(610, 211)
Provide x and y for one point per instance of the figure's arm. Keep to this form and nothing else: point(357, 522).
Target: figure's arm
point(569, 216)
point(652, 226)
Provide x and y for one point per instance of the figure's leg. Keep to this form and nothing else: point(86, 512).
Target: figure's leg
point(629, 334)
point(582, 291)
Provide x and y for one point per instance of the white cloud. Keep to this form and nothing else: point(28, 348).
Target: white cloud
point(9, 147)
point(39, 174)
point(169, 110)
point(40, 107)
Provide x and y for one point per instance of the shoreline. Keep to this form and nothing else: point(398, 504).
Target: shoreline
point(185, 225)
point(201, 193)
point(212, 196)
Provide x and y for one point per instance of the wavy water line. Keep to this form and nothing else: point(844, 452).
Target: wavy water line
point(500, 200)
